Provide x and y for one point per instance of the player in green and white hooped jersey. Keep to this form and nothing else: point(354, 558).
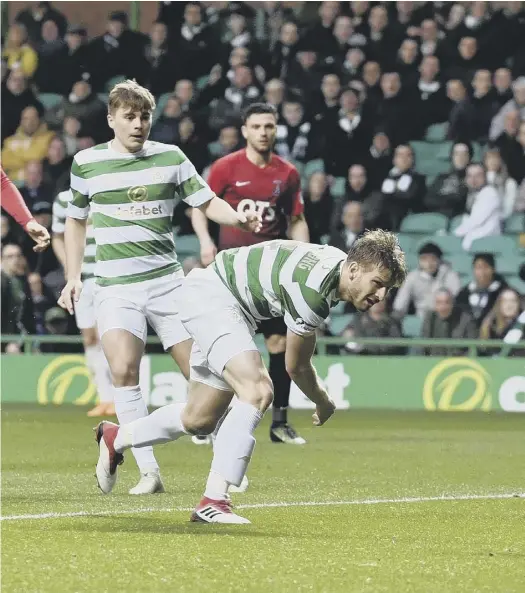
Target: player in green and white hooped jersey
point(130, 186)
point(85, 308)
point(298, 281)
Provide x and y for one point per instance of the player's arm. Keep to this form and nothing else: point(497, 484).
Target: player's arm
point(57, 230)
point(299, 352)
point(75, 238)
point(297, 227)
point(200, 226)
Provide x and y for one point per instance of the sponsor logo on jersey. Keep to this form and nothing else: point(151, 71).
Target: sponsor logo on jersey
point(143, 210)
point(242, 183)
point(138, 193)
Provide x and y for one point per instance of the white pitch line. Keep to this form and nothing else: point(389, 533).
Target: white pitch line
point(269, 505)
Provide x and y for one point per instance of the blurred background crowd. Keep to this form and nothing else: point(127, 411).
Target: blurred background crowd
point(408, 116)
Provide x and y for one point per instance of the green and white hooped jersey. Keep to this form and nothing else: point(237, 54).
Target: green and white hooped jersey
point(283, 278)
point(131, 198)
point(59, 224)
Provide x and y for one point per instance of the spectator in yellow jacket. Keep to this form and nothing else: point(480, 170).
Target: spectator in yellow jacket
point(18, 54)
point(29, 143)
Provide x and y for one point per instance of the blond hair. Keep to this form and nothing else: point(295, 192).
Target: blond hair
point(495, 320)
point(130, 95)
point(380, 248)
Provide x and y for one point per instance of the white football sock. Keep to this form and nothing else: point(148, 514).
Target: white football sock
point(130, 406)
point(161, 426)
point(98, 365)
point(233, 449)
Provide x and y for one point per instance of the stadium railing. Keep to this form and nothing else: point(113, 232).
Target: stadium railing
point(32, 342)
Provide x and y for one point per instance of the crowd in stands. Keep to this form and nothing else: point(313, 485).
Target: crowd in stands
point(408, 116)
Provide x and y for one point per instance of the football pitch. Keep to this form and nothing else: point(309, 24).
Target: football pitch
point(375, 502)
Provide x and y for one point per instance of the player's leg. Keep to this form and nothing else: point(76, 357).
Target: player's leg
point(274, 331)
point(122, 327)
point(95, 359)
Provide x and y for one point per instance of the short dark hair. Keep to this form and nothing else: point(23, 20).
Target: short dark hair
point(488, 258)
point(258, 108)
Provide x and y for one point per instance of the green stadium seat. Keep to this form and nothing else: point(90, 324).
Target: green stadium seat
point(499, 245)
point(465, 279)
point(449, 244)
point(424, 223)
point(407, 243)
point(443, 152)
point(338, 187)
point(187, 246)
point(299, 166)
point(509, 264)
point(113, 81)
point(477, 152)
point(215, 149)
point(412, 326)
point(412, 261)
point(515, 225)
point(455, 222)
point(202, 82)
point(461, 263)
point(161, 103)
point(437, 132)
point(313, 166)
point(49, 100)
point(339, 309)
point(517, 284)
point(339, 322)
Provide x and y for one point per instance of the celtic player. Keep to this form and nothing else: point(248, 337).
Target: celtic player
point(129, 187)
point(289, 279)
point(85, 308)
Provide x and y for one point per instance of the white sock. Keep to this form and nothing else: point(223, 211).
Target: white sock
point(130, 406)
point(98, 365)
point(233, 449)
point(162, 426)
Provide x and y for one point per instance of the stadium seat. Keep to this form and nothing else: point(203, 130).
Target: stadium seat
point(455, 222)
point(461, 263)
point(412, 261)
point(339, 322)
point(443, 152)
point(412, 326)
point(407, 243)
point(517, 284)
point(509, 264)
point(299, 166)
point(187, 246)
point(338, 187)
point(313, 166)
point(515, 225)
point(104, 97)
point(49, 100)
point(339, 309)
point(214, 149)
point(499, 245)
point(437, 132)
point(424, 223)
point(161, 103)
point(477, 152)
point(449, 244)
point(113, 81)
point(202, 82)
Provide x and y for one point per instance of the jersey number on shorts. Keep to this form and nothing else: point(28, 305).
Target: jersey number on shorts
point(264, 209)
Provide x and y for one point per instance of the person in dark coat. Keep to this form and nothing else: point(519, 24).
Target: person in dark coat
point(16, 96)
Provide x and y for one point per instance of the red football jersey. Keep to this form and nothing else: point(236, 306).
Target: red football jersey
point(273, 191)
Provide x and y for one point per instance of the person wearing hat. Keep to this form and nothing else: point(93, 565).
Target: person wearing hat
point(421, 285)
point(480, 294)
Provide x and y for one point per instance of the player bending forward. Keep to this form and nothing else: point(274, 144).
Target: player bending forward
point(220, 307)
point(129, 186)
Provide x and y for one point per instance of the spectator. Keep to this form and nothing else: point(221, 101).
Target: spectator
point(378, 161)
point(16, 96)
point(35, 191)
point(352, 64)
point(52, 42)
point(421, 285)
point(517, 103)
point(501, 319)
point(431, 94)
point(192, 145)
point(503, 86)
point(303, 76)
point(511, 150)
point(34, 18)
point(19, 55)
point(483, 206)
point(352, 227)
point(17, 306)
point(320, 35)
point(43, 299)
point(84, 105)
point(284, 51)
point(162, 70)
point(479, 296)
point(375, 323)
point(185, 93)
point(381, 45)
point(166, 128)
point(44, 262)
point(430, 44)
point(8, 235)
point(484, 105)
point(403, 189)
point(196, 45)
point(407, 62)
point(461, 116)
point(274, 94)
point(447, 321)
point(466, 61)
point(294, 139)
point(343, 40)
point(448, 194)
point(498, 177)
point(56, 323)
point(238, 34)
point(318, 205)
point(395, 110)
point(372, 78)
point(229, 141)
point(70, 135)
point(328, 109)
point(29, 143)
point(57, 165)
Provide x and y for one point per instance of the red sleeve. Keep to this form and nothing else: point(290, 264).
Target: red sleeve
point(217, 178)
point(13, 202)
point(295, 193)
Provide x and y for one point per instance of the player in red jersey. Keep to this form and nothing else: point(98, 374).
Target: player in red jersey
point(256, 179)
point(13, 203)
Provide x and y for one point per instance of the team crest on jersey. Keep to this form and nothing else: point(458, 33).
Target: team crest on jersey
point(138, 193)
point(277, 187)
point(158, 176)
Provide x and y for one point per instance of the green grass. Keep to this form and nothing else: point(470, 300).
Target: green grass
point(391, 547)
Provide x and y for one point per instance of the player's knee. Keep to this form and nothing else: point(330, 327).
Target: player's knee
point(124, 373)
point(198, 423)
point(259, 394)
point(89, 337)
point(276, 344)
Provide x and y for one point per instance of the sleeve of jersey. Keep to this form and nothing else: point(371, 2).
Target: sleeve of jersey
point(305, 309)
point(13, 202)
point(191, 187)
point(296, 194)
point(60, 207)
point(78, 207)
